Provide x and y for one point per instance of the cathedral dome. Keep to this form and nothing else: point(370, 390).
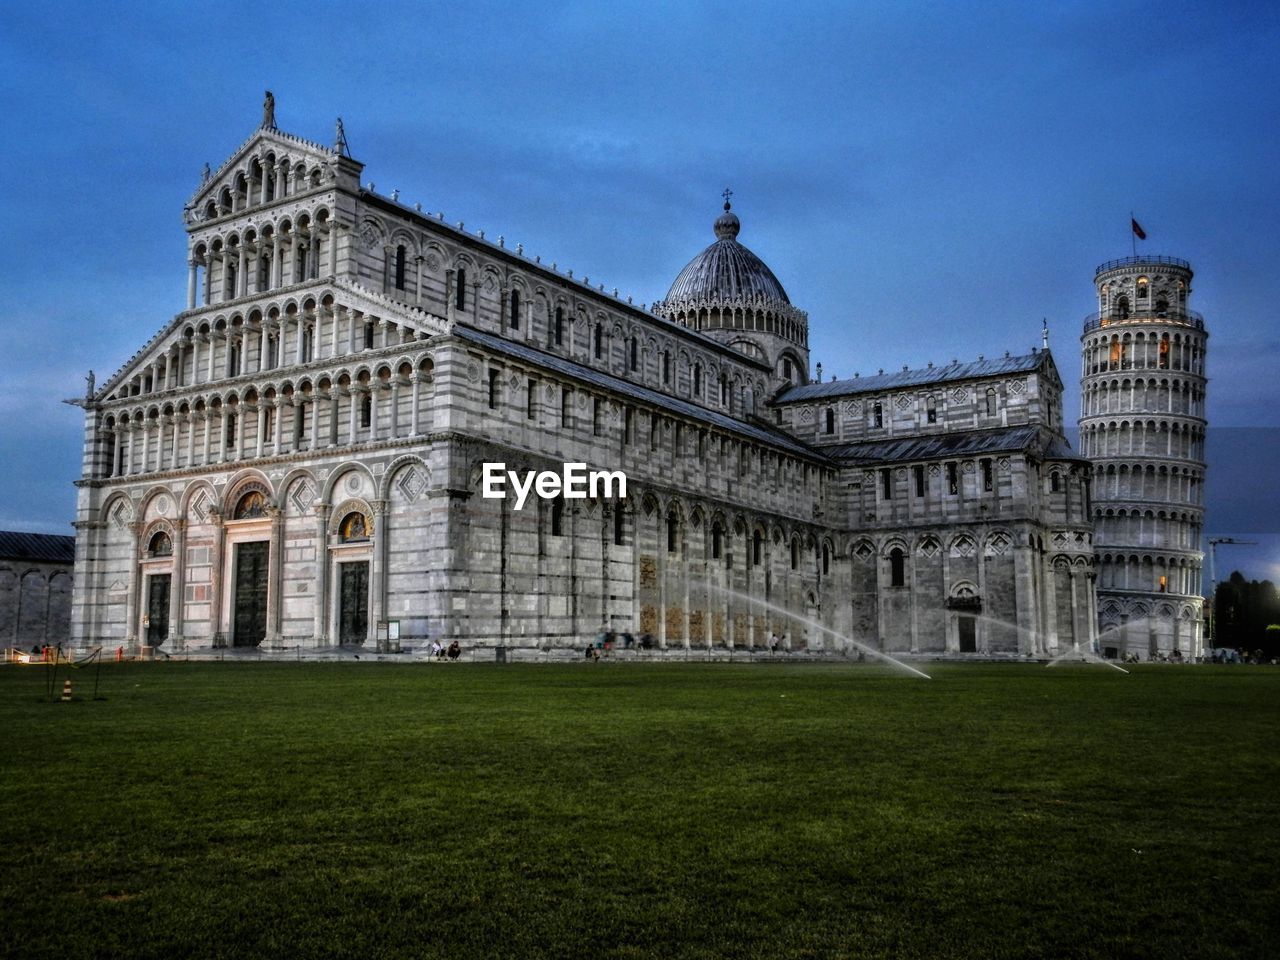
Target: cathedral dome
point(726, 271)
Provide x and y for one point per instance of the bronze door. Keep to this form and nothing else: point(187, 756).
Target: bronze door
point(157, 609)
point(968, 634)
point(250, 624)
point(353, 608)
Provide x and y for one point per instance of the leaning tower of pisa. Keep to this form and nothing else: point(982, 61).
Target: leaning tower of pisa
point(1142, 424)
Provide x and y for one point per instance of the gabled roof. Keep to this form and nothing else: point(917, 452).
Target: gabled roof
point(997, 367)
point(37, 547)
point(1025, 439)
point(279, 141)
point(754, 429)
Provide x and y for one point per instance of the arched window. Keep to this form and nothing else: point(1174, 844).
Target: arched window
point(366, 410)
point(991, 401)
point(757, 548)
point(666, 366)
point(160, 545)
point(1143, 287)
point(368, 335)
point(673, 531)
point(1162, 307)
point(877, 415)
point(557, 518)
point(400, 258)
point(515, 309)
point(826, 559)
point(1122, 308)
point(559, 331)
point(931, 410)
point(897, 567)
point(619, 525)
point(353, 528)
point(717, 540)
point(795, 554)
point(531, 399)
point(250, 506)
point(786, 368)
point(831, 421)
point(697, 379)
point(598, 339)
point(1055, 482)
point(460, 291)
point(633, 352)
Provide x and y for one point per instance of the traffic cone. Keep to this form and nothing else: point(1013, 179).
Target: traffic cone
point(66, 691)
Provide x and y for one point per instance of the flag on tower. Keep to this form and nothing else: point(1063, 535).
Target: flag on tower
point(1137, 229)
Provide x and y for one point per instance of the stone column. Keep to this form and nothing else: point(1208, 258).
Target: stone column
point(280, 405)
point(336, 313)
point(242, 278)
point(275, 578)
point(315, 422)
point(417, 290)
point(386, 268)
point(378, 573)
point(176, 583)
point(208, 279)
point(222, 434)
point(192, 266)
point(333, 249)
point(217, 635)
point(213, 353)
point(262, 427)
point(333, 415)
point(354, 395)
point(321, 628)
point(135, 587)
point(279, 262)
point(301, 326)
point(416, 379)
point(395, 407)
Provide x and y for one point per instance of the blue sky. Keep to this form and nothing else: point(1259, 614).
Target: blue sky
point(928, 181)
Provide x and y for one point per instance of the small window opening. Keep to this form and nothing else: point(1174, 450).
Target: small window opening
point(897, 567)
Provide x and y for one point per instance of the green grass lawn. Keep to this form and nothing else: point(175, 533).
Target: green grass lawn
point(666, 810)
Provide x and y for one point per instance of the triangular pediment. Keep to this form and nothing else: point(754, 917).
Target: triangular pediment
point(266, 143)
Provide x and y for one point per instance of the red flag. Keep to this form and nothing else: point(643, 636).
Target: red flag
point(1137, 229)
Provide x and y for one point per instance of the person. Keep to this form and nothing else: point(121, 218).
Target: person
point(455, 651)
point(435, 648)
point(586, 653)
point(627, 640)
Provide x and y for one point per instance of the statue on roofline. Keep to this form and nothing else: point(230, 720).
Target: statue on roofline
point(269, 111)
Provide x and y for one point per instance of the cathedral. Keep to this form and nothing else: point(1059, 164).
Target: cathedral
point(296, 458)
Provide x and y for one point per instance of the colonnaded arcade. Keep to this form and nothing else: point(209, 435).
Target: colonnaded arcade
point(295, 458)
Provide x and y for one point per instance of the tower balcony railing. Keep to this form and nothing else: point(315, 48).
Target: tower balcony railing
point(1140, 261)
point(1107, 318)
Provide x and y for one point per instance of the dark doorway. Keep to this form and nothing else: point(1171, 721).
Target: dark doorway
point(157, 609)
point(353, 607)
point(968, 630)
point(251, 594)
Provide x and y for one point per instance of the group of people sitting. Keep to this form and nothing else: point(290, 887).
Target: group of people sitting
point(440, 651)
point(606, 639)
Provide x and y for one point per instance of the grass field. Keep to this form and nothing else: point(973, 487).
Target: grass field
point(580, 810)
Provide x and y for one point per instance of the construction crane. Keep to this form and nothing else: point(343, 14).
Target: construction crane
point(1213, 578)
